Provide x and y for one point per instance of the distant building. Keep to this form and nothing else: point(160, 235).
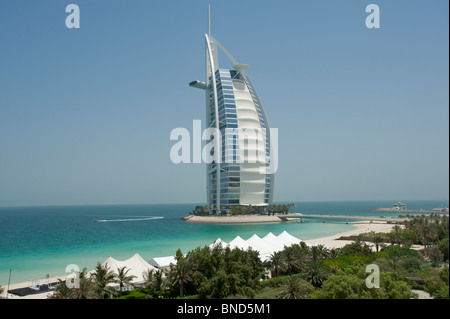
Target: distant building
point(399, 206)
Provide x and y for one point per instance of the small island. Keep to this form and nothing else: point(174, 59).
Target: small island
point(240, 214)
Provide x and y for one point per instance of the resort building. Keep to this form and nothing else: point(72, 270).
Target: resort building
point(240, 173)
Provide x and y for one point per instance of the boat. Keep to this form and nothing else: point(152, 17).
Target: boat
point(399, 206)
point(396, 207)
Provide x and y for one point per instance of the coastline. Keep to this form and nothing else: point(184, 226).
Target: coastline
point(328, 241)
point(333, 241)
point(240, 219)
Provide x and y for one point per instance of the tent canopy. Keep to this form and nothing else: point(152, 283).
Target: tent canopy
point(137, 266)
point(162, 262)
point(265, 246)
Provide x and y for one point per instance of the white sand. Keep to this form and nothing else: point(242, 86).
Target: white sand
point(361, 227)
point(28, 284)
point(241, 219)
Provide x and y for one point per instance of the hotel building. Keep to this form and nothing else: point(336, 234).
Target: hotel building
point(241, 173)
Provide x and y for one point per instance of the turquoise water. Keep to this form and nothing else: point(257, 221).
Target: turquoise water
point(35, 241)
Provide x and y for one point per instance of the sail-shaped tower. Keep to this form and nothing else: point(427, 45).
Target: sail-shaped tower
point(240, 173)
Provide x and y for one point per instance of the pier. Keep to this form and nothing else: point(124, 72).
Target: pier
point(412, 212)
point(395, 220)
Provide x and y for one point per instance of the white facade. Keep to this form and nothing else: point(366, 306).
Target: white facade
point(240, 173)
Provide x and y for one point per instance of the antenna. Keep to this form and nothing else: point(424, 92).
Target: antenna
point(209, 21)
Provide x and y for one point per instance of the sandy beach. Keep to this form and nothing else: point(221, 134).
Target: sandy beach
point(241, 219)
point(26, 284)
point(361, 227)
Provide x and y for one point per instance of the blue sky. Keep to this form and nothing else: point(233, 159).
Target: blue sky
point(86, 114)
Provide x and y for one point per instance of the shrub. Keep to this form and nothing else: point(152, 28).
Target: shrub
point(442, 293)
point(398, 251)
point(444, 247)
point(356, 248)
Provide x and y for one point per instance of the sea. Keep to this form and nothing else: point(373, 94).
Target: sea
point(43, 240)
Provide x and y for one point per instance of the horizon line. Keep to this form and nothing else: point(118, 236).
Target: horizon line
point(200, 203)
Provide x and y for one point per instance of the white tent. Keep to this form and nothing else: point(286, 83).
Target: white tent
point(162, 262)
point(259, 245)
point(238, 242)
point(218, 242)
point(275, 241)
point(288, 239)
point(265, 246)
point(137, 266)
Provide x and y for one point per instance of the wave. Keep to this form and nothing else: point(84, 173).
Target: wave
point(127, 220)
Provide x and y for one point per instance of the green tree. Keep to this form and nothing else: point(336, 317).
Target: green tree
point(443, 245)
point(353, 286)
point(343, 286)
point(316, 272)
point(148, 279)
point(291, 259)
point(435, 254)
point(294, 288)
point(87, 287)
point(356, 248)
point(444, 275)
point(219, 272)
point(442, 293)
point(275, 263)
point(61, 291)
point(103, 277)
point(394, 287)
point(159, 282)
point(378, 239)
point(123, 278)
point(399, 251)
point(181, 272)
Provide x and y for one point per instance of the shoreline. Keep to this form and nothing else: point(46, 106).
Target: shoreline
point(240, 219)
point(331, 241)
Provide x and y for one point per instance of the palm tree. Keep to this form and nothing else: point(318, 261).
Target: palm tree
point(275, 262)
point(294, 288)
point(425, 230)
point(181, 271)
point(87, 288)
point(334, 268)
point(102, 278)
point(148, 277)
point(321, 251)
point(378, 240)
point(123, 278)
point(290, 259)
point(61, 291)
point(159, 284)
point(316, 272)
point(394, 262)
point(334, 253)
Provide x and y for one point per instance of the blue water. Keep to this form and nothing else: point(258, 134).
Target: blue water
point(35, 241)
